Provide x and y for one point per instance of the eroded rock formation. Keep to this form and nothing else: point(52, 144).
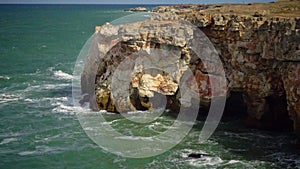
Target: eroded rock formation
point(134, 65)
point(259, 48)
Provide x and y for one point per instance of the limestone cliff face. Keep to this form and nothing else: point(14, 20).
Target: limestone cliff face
point(132, 66)
point(259, 48)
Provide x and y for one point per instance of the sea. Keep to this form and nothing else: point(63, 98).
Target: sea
point(39, 125)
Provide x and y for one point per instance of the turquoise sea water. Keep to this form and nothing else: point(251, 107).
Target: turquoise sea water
point(39, 45)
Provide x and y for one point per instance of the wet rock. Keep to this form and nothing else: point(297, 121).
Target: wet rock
point(197, 155)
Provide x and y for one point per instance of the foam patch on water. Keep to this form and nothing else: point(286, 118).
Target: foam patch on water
point(110, 122)
point(152, 126)
point(134, 138)
point(62, 75)
point(5, 77)
point(41, 150)
point(67, 109)
point(240, 164)
point(54, 100)
point(106, 112)
point(9, 97)
point(291, 160)
point(38, 88)
point(205, 162)
point(137, 112)
point(25, 153)
point(8, 140)
point(64, 105)
point(233, 162)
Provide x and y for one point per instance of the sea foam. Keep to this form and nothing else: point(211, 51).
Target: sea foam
point(5, 77)
point(62, 75)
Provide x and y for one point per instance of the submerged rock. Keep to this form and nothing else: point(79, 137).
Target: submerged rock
point(197, 155)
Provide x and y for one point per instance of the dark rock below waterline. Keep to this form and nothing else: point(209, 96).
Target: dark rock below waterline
point(197, 155)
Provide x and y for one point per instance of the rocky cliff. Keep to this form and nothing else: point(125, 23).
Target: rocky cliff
point(258, 45)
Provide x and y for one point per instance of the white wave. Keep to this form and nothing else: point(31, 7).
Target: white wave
point(107, 123)
point(54, 86)
point(137, 112)
point(9, 97)
point(235, 162)
point(30, 100)
point(8, 140)
point(45, 87)
point(88, 128)
point(62, 75)
point(153, 125)
point(210, 162)
point(5, 77)
point(61, 108)
point(134, 138)
point(53, 100)
point(25, 153)
point(68, 108)
point(41, 150)
point(104, 112)
point(43, 46)
point(110, 122)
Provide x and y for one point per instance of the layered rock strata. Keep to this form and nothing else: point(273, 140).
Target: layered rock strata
point(260, 47)
point(138, 66)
